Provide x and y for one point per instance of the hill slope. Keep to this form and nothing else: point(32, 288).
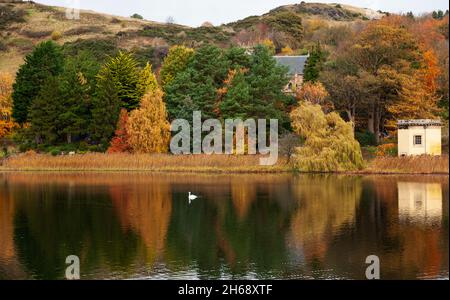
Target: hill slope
point(23, 25)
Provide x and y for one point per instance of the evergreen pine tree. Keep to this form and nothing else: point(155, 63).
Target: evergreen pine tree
point(44, 113)
point(122, 70)
point(237, 99)
point(105, 109)
point(314, 64)
point(77, 88)
point(266, 80)
point(45, 61)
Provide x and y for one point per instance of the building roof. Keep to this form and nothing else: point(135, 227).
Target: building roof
point(296, 64)
point(419, 122)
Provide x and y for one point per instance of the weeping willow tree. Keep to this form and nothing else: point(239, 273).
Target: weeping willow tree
point(329, 142)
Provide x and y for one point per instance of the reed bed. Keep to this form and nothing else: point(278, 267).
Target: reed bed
point(409, 165)
point(205, 163)
point(142, 162)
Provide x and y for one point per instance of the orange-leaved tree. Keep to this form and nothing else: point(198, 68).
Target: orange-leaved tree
point(148, 127)
point(120, 142)
point(7, 124)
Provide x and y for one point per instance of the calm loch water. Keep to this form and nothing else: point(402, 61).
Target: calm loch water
point(128, 225)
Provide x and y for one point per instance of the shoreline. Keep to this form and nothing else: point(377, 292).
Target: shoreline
point(208, 164)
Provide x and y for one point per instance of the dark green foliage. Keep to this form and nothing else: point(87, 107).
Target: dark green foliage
point(287, 22)
point(267, 80)
point(105, 109)
point(237, 58)
point(100, 49)
point(77, 87)
point(314, 64)
point(124, 72)
point(137, 16)
point(439, 15)
point(204, 74)
point(365, 138)
point(180, 35)
point(237, 100)
point(44, 62)
point(44, 113)
point(254, 92)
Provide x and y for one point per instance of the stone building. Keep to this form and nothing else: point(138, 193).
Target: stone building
point(418, 137)
point(296, 66)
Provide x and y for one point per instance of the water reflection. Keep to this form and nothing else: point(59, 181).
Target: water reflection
point(420, 201)
point(243, 226)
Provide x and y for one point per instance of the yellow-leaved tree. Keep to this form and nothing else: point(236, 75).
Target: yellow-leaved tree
point(7, 124)
point(329, 142)
point(147, 127)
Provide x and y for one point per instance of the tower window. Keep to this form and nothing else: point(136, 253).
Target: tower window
point(417, 140)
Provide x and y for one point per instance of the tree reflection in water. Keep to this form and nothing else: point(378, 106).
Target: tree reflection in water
point(140, 225)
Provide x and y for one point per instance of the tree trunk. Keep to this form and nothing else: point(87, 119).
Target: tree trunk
point(69, 138)
point(351, 118)
point(376, 124)
point(371, 121)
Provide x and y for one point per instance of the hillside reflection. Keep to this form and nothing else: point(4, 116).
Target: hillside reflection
point(242, 226)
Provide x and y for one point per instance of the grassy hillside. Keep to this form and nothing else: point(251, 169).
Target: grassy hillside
point(23, 25)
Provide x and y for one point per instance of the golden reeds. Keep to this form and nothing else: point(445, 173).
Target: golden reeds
point(409, 165)
point(141, 162)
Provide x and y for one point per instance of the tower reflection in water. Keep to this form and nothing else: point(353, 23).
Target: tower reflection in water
point(420, 202)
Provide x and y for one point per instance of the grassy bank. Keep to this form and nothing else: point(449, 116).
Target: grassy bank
point(204, 163)
point(408, 165)
point(141, 162)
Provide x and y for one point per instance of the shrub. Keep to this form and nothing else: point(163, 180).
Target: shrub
point(54, 151)
point(365, 138)
point(387, 150)
point(137, 16)
point(56, 35)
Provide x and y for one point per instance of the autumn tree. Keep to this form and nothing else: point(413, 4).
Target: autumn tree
point(287, 50)
point(45, 61)
point(148, 127)
point(6, 122)
point(315, 93)
point(147, 81)
point(270, 45)
point(387, 54)
point(174, 63)
point(329, 144)
point(120, 142)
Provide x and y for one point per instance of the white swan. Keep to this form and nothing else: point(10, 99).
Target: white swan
point(191, 197)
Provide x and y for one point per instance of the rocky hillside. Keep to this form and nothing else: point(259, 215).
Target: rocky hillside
point(24, 24)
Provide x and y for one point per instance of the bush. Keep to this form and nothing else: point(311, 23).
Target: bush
point(55, 151)
point(56, 35)
point(365, 138)
point(137, 16)
point(387, 150)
